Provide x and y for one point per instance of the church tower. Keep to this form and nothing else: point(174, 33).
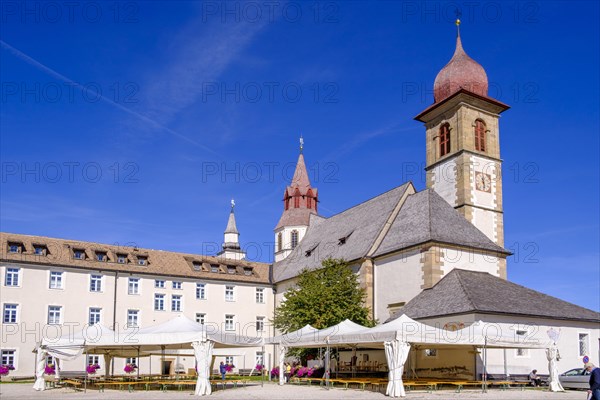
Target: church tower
point(463, 161)
point(231, 244)
point(299, 202)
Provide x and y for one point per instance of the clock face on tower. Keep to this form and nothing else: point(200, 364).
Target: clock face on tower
point(483, 182)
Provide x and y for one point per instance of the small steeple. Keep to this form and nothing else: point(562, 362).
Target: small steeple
point(231, 243)
point(231, 226)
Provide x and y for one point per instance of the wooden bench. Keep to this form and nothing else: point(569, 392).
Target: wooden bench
point(431, 386)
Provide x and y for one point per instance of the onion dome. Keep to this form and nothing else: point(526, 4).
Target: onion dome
point(462, 72)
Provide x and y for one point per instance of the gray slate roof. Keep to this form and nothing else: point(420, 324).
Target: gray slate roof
point(362, 222)
point(424, 217)
point(428, 217)
point(462, 291)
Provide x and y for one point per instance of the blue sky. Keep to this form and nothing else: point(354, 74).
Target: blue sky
point(137, 122)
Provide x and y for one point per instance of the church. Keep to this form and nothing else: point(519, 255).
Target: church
point(436, 255)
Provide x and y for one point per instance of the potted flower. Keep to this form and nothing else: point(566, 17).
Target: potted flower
point(49, 370)
point(4, 370)
point(129, 368)
point(91, 369)
point(275, 372)
point(229, 367)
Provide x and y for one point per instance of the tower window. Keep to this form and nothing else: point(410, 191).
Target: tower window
point(296, 201)
point(294, 239)
point(444, 139)
point(308, 202)
point(279, 241)
point(479, 135)
point(286, 201)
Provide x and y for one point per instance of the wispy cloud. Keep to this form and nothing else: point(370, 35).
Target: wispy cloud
point(146, 120)
point(200, 54)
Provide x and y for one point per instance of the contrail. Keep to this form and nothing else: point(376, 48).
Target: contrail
point(109, 101)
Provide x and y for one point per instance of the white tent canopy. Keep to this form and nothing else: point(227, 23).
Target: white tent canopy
point(177, 333)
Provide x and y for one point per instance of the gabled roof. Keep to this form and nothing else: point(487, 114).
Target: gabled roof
point(425, 217)
point(462, 291)
point(359, 225)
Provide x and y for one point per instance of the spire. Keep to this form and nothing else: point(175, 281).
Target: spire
point(300, 178)
point(231, 243)
point(231, 227)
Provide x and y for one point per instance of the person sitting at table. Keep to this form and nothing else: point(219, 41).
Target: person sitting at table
point(534, 378)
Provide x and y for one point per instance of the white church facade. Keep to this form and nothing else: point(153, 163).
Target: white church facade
point(436, 255)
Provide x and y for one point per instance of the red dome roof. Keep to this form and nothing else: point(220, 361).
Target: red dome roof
point(462, 72)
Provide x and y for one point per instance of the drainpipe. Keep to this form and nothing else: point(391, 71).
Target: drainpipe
point(114, 324)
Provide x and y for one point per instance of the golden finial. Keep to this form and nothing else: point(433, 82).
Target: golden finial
point(457, 22)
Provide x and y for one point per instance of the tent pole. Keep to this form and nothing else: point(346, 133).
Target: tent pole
point(87, 361)
point(137, 362)
point(485, 365)
point(262, 371)
point(327, 366)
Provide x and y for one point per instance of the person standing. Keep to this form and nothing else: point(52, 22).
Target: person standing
point(594, 381)
point(222, 370)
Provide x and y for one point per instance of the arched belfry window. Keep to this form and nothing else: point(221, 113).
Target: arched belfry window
point(479, 135)
point(279, 241)
point(444, 139)
point(294, 239)
point(296, 201)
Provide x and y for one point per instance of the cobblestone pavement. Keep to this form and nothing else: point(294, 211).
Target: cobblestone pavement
point(273, 391)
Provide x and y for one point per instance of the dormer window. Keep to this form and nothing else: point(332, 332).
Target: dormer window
point(343, 240)
point(310, 251)
point(15, 247)
point(142, 260)
point(231, 269)
point(101, 256)
point(214, 268)
point(197, 265)
point(248, 271)
point(40, 250)
point(79, 254)
point(121, 258)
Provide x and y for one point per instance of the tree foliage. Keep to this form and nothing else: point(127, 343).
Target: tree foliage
point(323, 298)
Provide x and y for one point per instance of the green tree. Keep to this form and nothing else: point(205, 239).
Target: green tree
point(323, 298)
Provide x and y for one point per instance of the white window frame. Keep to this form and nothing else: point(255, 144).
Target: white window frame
point(133, 283)
point(96, 283)
point(159, 299)
point(260, 358)
point(177, 285)
point(229, 293)
point(8, 357)
point(10, 271)
point(176, 299)
point(260, 324)
point(56, 310)
point(97, 313)
point(229, 322)
point(260, 295)
point(229, 360)
point(200, 291)
point(520, 335)
point(160, 283)
point(587, 344)
point(13, 313)
point(132, 361)
point(133, 314)
point(59, 282)
point(93, 360)
point(201, 318)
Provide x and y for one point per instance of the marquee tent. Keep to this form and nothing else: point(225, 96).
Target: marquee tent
point(177, 333)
